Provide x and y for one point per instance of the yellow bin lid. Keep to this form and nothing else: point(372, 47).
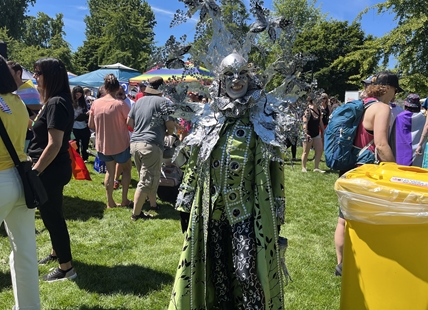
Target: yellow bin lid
point(374, 193)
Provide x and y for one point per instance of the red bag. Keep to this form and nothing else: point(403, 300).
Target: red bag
point(80, 172)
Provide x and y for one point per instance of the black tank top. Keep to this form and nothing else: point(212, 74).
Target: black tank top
point(313, 123)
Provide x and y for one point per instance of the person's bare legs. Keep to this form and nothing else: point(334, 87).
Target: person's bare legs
point(126, 180)
point(318, 147)
point(108, 183)
point(139, 200)
point(306, 148)
point(339, 239)
point(118, 172)
point(152, 198)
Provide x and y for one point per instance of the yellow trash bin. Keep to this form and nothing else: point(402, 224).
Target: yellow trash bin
point(385, 264)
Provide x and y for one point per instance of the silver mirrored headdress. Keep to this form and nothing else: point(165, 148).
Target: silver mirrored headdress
point(276, 115)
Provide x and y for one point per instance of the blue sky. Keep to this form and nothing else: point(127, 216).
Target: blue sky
point(75, 11)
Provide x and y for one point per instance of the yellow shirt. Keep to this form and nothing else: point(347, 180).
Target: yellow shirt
point(14, 116)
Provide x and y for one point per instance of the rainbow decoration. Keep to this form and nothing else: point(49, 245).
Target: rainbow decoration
point(28, 93)
point(194, 74)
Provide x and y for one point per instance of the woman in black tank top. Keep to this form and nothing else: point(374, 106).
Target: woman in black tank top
point(313, 129)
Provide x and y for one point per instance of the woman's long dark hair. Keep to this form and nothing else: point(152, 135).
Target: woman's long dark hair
point(81, 102)
point(7, 82)
point(55, 78)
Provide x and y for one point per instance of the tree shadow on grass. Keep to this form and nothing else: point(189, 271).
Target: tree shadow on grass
point(129, 279)
point(79, 209)
point(165, 211)
point(5, 281)
point(76, 208)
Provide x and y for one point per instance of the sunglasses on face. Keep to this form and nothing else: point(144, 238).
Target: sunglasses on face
point(38, 73)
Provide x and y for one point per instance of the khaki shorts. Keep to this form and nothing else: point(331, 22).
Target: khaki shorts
point(148, 160)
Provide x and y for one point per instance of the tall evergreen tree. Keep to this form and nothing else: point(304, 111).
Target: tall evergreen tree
point(117, 31)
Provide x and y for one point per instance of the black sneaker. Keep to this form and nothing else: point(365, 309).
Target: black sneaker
point(48, 259)
point(142, 215)
point(338, 271)
point(60, 275)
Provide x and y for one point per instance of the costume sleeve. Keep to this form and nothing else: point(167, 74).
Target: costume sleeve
point(277, 173)
point(188, 186)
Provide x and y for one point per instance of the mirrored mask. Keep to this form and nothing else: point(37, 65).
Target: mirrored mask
point(234, 74)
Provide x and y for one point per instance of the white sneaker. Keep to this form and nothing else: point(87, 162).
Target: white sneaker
point(304, 170)
point(319, 170)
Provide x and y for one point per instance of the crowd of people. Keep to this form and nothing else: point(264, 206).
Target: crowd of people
point(126, 129)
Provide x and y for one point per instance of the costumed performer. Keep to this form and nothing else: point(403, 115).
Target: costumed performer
point(234, 191)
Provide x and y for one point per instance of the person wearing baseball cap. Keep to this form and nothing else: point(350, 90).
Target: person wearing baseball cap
point(372, 131)
point(142, 87)
point(387, 78)
point(150, 121)
point(407, 131)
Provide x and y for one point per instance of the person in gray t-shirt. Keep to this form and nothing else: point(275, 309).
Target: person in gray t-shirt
point(147, 143)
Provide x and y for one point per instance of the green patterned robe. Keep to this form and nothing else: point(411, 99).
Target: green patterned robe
point(249, 175)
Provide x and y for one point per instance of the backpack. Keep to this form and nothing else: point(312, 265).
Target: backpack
point(339, 149)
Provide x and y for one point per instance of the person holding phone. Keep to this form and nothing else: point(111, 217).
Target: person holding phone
point(313, 130)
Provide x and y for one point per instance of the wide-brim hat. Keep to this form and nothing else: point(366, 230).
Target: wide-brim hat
point(153, 85)
point(155, 82)
point(387, 78)
point(152, 91)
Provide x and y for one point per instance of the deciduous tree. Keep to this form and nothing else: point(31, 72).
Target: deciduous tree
point(13, 15)
point(407, 42)
point(339, 48)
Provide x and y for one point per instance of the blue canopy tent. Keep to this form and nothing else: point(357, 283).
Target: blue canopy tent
point(96, 78)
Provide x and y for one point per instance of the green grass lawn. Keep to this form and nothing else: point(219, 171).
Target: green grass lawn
point(131, 265)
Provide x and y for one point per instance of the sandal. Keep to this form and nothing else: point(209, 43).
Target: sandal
point(116, 184)
point(115, 206)
point(155, 208)
point(142, 215)
point(130, 204)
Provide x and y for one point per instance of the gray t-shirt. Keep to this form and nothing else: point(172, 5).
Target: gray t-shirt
point(142, 112)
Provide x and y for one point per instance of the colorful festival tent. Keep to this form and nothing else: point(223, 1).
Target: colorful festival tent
point(193, 74)
point(96, 78)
